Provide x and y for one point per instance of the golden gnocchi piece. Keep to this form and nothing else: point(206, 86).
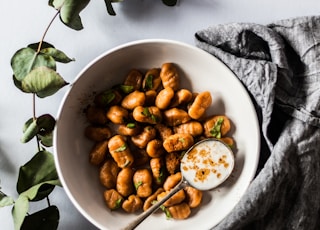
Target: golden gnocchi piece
point(175, 116)
point(193, 196)
point(113, 199)
point(181, 97)
point(134, 99)
point(132, 204)
point(134, 79)
point(217, 126)
point(163, 99)
point(169, 76)
point(200, 104)
point(155, 148)
point(129, 129)
point(163, 131)
point(142, 180)
point(172, 181)
point(124, 182)
point(142, 139)
point(157, 167)
point(98, 153)
point(152, 80)
point(180, 211)
point(150, 115)
point(178, 142)
point(108, 174)
point(96, 115)
point(117, 114)
point(194, 128)
point(120, 151)
point(177, 198)
point(97, 133)
point(148, 202)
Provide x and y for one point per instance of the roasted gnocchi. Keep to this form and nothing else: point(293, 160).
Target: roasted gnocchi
point(141, 129)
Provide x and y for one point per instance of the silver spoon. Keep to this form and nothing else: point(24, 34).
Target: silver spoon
point(206, 165)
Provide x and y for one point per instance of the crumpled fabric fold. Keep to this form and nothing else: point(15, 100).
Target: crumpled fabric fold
point(279, 64)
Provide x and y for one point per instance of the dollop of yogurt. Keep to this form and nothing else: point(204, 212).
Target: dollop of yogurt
point(207, 164)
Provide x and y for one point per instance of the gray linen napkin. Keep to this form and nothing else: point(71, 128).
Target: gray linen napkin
point(280, 66)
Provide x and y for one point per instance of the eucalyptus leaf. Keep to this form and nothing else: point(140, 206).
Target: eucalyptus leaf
point(44, 45)
point(170, 2)
point(39, 169)
point(21, 206)
point(57, 55)
point(46, 140)
point(47, 219)
point(46, 124)
point(5, 200)
point(43, 81)
point(69, 11)
point(27, 59)
point(30, 130)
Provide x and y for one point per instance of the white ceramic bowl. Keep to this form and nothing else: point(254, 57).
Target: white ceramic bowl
point(200, 71)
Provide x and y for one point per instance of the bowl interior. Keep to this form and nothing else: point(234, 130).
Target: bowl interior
point(199, 71)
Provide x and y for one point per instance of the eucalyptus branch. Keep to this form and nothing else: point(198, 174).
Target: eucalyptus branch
point(34, 71)
point(46, 30)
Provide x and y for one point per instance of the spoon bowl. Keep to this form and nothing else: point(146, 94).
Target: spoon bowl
point(205, 166)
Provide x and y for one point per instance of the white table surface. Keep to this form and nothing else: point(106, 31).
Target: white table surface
point(23, 22)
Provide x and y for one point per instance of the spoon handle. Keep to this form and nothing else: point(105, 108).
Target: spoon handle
point(154, 207)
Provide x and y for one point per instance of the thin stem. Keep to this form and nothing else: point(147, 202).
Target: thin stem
point(46, 31)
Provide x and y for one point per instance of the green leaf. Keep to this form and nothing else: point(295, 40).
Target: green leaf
point(57, 55)
point(121, 148)
point(149, 82)
point(215, 131)
point(47, 218)
point(170, 2)
point(39, 169)
point(46, 124)
point(35, 46)
point(21, 206)
point(126, 88)
point(69, 11)
point(5, 200)
point(131, 125)
point(27, 59)
point(46, 140)
point(43, 82)
point(30, 130)
point(138, 184)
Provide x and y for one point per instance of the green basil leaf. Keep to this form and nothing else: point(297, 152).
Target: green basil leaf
point(47, 218)
point(138, 184)
point(43, 82)
point(69, 11)
point(149, 82)
point(146, 112)
point(105, 98)
point(39, 169)
point(21, 206)
point(131, 125)
point(121, 148)
point(215, 131)
point(126, 88)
